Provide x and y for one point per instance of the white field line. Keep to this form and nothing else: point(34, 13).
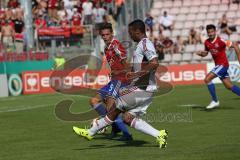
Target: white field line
point(39, 96)
point(25, 108)
point(189, 105)
point(10, 98)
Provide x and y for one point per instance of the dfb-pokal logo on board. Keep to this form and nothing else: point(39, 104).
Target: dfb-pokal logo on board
point(234, 72)
point(31, 82)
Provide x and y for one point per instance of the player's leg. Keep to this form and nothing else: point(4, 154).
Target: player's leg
point(216, 72)
point(129, 101)
point(105, 121)
point(113, 112)
point(118, 123)
point(136, 101)
point(102, 94)
point(109, 119)
point(211, 87)
point(97, 104)
point(98, 124)
point(140, 125)
point(144, 127)
point(228, 85)
point(113, 94)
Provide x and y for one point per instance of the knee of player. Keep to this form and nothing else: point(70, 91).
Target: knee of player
point(127, 118)
point(93, 101)
point(206, 80)
point(229, 87)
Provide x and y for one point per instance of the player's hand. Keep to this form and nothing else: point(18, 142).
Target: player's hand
point(134, 75)
point(199, 53)
point(116, 72)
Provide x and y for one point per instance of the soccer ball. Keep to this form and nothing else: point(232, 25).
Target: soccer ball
point(101, 131)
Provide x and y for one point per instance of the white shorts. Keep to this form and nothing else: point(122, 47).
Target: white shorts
point(8, 41)
point(134, 100)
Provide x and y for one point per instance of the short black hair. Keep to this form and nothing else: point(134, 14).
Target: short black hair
point(105, 26)
point(138, 25)
point(211, 26)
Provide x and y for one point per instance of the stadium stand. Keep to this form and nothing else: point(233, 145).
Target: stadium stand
point(195, 14)
point(59, 18)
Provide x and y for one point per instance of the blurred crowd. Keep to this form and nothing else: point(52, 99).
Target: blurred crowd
point(49, 13)
point(170, 45)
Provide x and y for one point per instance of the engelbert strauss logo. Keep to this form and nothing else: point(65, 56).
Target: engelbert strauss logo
point(234, 72)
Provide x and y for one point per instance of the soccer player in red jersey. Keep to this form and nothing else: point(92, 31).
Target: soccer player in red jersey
point(216, 46)
point(116, 57)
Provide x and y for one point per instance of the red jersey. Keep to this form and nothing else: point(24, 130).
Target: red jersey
point(13, 4)
point(2, 23)
point(64, 22)
point(115, 53)
point(217, 48)
point(76, 19)
point(52, 4)
point(40, 21)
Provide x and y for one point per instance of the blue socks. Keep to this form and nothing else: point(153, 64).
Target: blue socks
point(212, 91)
point(122, 126)
point(236, 90)
point(101, 109)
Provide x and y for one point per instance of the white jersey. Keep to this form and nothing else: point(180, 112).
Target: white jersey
point(99, 14)
point(87, 8)
point(145, 52)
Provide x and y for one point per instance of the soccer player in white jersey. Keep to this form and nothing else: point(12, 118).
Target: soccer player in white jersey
point(134, 99)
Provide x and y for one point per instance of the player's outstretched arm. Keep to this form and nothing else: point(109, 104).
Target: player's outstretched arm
point(202, 53)
point(237, 50)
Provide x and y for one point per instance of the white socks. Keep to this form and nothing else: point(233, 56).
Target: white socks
point(144, 127)
point(138, 124)
point(99, 124)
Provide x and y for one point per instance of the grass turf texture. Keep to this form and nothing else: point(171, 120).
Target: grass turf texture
point(30, 130)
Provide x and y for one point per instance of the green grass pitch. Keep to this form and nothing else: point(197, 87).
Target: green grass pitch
point(29, 129)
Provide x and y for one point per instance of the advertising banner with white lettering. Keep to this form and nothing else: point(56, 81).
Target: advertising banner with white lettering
point(49, 81)
point(37, 82)
point(185, 74)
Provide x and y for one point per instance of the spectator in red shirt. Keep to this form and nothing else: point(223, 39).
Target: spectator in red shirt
point(76, 18)
point(64, 22)
point(76, 25)
point(108, 1)
point(52, 8)
point(168, 45)
point(40, 22)
point(13, 4)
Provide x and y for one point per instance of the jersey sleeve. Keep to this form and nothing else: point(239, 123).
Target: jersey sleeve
point(120, 51)
point(205, 46)
point(149, 50)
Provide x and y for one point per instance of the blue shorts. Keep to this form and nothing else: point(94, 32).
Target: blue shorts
point(220, 71)
point(111, 89)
